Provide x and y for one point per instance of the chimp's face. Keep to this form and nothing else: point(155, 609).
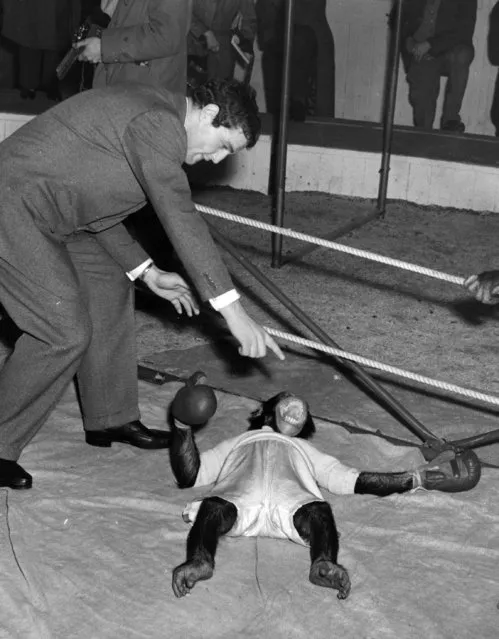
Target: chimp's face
point(286, 414)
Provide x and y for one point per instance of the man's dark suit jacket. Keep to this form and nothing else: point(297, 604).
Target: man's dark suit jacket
point(89, 162)
point(146, 41)
point(455, 24)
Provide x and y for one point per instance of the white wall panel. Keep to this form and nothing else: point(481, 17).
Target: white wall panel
point(10, 122)
point(353, 173)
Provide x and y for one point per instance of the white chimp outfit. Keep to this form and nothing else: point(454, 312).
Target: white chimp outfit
point(268, 477)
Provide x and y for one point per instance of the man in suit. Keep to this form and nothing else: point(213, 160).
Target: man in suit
point(212, 28)
point(69, 178)
point(144, 42)
point(437, 40)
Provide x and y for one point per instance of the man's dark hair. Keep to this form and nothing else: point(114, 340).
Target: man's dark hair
point(237, 104)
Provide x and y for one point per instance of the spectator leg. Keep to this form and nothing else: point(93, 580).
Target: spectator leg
point(457, 67)
point(494, 110)
point(325, 76)
point(271, 58)
point(303, 56)
point(30, 63)
point(424, 85)
point(49, 81)
point(221, 64)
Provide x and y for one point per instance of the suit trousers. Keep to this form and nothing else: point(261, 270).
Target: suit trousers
point(221, 65)
point(37, 68)
point(74, 307)
point(424, 85)
point(494, 109)
point(312, 64)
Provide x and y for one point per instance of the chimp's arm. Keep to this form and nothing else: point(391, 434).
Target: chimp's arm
point(193, 405)
point(184, 455)
point(383, 484)
point(450, 472)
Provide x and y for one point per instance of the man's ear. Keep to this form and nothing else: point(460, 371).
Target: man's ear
point(209, 113)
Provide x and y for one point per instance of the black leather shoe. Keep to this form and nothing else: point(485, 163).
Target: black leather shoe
point(14, 476)
point(27, 94)
point(133, 433)
point(53, 95)
point(454, 126)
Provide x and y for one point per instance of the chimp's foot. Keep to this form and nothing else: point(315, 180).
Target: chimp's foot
point(188, 574)
point(327, 574)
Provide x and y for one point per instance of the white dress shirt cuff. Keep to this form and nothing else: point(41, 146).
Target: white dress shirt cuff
point(138, 270)
point(225, 299)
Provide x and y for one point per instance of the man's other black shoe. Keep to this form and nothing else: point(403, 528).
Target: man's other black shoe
point(133, 433)
point(14, 476)
point(453, 126)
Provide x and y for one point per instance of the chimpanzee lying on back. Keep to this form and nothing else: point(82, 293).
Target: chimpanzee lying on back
point(266, 483)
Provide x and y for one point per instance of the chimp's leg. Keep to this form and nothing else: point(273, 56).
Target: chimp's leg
point(315, 525)
point(215, 518)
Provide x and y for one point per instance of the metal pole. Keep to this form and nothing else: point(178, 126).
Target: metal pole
point(390, 111)
point(491, 437)
point(279, 191)
point(431, 440)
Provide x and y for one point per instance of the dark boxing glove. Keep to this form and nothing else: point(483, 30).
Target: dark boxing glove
point(195, 403)
point(450, 472)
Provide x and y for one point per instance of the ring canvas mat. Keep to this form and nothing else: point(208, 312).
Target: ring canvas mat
point(88, 552)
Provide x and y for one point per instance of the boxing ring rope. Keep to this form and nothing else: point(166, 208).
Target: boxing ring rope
point(453, 279)
point(350, 360)
point(386, 368)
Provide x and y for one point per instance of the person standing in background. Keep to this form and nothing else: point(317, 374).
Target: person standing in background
point(213, 25)
point(144, 42)
point(436, 41)
point(43, 33)
point(313, 57)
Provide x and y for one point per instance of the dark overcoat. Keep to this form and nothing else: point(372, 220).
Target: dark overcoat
point(309, 16)
point(454, 26)
point(146, 41)
point(41, 24)
point(218, 16)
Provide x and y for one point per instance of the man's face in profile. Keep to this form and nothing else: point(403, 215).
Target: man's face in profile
point(210, 143)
